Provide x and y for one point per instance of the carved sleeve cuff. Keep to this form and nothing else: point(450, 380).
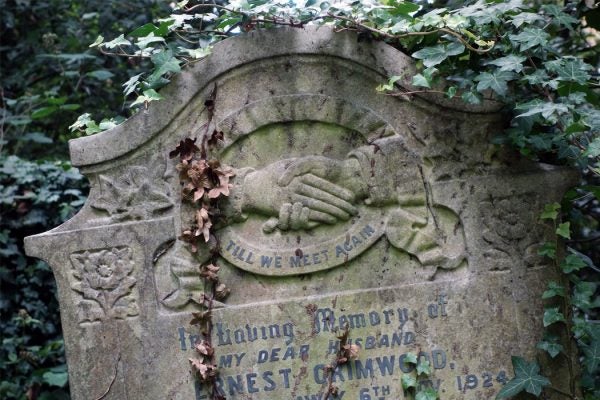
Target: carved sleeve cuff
point(377, 184)
point(391, 173)
point(232, 210)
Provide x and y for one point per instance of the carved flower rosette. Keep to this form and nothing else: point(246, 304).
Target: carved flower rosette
point(103, 279)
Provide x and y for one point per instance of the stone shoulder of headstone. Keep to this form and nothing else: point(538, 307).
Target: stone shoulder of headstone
point(394, 217)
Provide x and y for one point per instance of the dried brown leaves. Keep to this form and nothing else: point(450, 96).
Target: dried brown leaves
point(203, 365)
point(203, 182)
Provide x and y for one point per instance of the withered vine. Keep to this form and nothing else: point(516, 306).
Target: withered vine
point(346, 352)
point(205, 181)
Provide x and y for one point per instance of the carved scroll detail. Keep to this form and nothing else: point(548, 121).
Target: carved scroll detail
point(190, 287)
point(104, 281)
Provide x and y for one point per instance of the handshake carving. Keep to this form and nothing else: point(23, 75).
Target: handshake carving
point(302, 193)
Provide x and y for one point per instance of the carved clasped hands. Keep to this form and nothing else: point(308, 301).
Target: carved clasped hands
point(301, 193)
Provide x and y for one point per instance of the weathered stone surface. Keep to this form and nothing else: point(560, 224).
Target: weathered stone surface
point(396, 218)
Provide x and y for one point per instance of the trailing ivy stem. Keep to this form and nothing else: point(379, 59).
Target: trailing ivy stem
point(568, 314)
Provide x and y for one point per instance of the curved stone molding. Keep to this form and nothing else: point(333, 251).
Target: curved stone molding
point(242, 50)
point(303, 107)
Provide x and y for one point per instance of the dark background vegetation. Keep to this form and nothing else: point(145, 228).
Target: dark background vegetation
point(48, 76)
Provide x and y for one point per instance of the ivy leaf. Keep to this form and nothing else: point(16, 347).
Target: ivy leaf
point(550, 211)
point(572, 263)
point(497, 81)
point(131, 84)
point(509, 63)
point(411, 358)
point(525, 18)
point(120, 41)
point(83, 121)
point(164, 62)
point(427, 394)
point(471, 97)
point(593, 149)
point(548, 249)
point(145, 41)
point(550, 347)
point(588, 261)
point(408, 381)
point(454, 49)
point(592, 356)
point(152, 95)
point(570, 69)
point(451, 91)
point(425, 79)
point(434, 55)
point(564, 230)
point(433, 18)
point(56, 378)
point(420, 80)
point(101, 74)
point(389, 85)
point(546, 109)
point(148, 96)
point(423, 367)
point(537, 77)
point(43, 112)
point(107, 124)
point(402, 7)
point(559, 17)
point(530, 37)
point(196, 53)
point(150, 28)
point(143, 30)
point(99, 40)
point(554, 290)
point(582, 295)
point(553, 315)
point(526, 378)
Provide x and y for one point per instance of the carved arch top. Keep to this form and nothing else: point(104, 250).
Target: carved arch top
point(243, 50)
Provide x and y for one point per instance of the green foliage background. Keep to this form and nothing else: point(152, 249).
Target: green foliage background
point(539, 58)
point(47, 74)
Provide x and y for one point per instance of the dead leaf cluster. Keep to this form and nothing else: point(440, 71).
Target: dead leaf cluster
point(203, 365)
point(203, 182)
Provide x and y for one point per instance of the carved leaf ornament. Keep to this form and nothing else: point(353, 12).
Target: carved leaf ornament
point(132, 196)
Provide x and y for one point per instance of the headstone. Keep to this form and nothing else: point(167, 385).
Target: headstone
point(391, 217)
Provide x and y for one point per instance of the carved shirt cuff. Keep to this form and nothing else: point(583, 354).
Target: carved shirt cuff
point(232, 209)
